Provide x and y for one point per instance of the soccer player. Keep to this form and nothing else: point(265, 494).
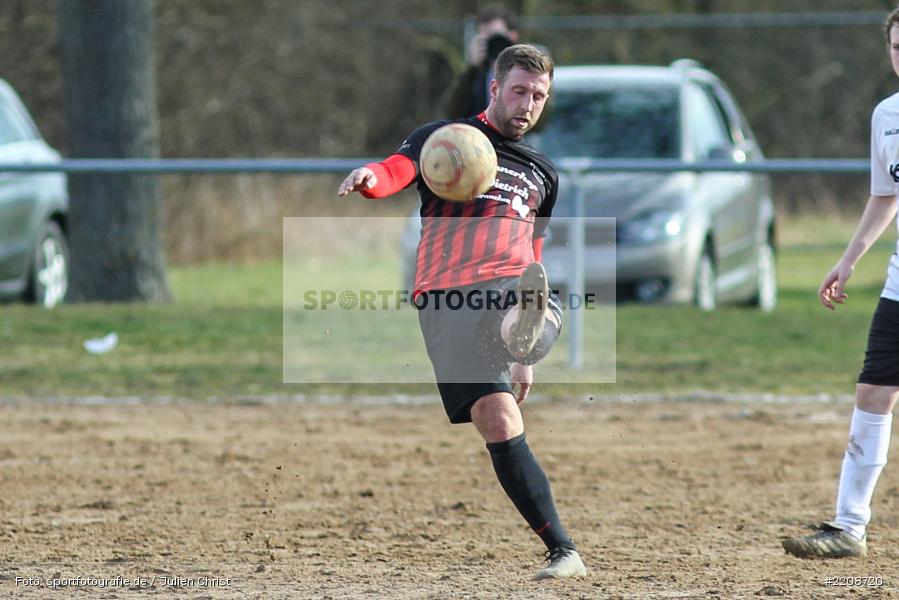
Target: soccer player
point(490, 248)
point(878, 383)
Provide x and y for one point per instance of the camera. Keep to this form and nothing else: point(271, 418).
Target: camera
point(496, 43)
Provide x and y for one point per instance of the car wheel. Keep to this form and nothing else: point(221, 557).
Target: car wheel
point(49, 277)
point(766, 283)
point(704, 295)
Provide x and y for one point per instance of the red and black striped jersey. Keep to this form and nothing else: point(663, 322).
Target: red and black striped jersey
point(491, 236)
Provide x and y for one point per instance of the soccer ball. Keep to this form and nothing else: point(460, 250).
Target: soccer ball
point(458, 162)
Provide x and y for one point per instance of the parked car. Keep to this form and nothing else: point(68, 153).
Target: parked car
point(704, 237)
point(34, 255)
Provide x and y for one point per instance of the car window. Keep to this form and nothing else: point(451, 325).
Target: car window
point(639, 122)
point(737, 128)
point(12, 127)
point(742, 131)
point(707, 129)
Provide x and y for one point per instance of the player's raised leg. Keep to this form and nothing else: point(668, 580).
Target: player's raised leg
point(498, 419)
point(523, 328)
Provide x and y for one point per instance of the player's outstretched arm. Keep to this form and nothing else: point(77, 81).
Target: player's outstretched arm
point(879, 212)
point(380, 179)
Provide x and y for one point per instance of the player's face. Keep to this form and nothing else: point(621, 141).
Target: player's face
point(516, 105)
point(894, 48)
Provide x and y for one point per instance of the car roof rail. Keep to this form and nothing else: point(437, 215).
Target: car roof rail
point(682, 64)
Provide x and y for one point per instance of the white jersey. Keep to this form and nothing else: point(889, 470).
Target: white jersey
point(885, 172)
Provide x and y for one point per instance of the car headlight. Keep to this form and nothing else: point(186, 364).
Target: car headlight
point(650, 228)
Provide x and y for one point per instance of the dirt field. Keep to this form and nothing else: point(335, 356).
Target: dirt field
point(665, 500)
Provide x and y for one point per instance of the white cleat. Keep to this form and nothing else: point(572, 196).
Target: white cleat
point(830, 542)
point(564, 563)
point(533, 294)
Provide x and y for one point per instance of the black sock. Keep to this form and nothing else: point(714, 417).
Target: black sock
point(527, 486)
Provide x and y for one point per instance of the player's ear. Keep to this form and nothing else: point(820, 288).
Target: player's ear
point(494, 89)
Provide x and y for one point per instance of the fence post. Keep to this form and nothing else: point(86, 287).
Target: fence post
point(576, 241)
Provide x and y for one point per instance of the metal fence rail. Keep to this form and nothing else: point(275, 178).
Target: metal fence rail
point(286, 166)
point(577, 167)
point(670, 21)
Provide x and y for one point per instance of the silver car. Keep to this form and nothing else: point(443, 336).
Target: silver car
point(704, 237)
point(34, 256)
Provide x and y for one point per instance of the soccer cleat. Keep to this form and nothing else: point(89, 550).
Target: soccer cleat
point(533, 294)
point(830, 542)
point(564, 563)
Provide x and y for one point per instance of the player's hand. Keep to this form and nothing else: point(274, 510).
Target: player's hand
point(833, 286)
point(476, 52)
point(523, 375)
point(359, 179)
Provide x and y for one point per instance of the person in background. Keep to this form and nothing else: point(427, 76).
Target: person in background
point(470, 93)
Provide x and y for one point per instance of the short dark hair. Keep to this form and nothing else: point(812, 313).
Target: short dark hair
point(892, 19)
point(525, 56)
point(492, 12)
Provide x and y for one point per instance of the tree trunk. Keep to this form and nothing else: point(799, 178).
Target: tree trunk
point(110, 100)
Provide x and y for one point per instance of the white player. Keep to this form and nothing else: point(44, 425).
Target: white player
point(878, 383)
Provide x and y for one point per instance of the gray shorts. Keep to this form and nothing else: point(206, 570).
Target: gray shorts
point(461, 331)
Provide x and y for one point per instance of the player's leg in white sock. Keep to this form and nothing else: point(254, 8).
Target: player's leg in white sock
point(866, 455)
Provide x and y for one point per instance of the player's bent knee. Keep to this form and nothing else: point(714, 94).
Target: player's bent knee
point(876, 399)
point(497, 417)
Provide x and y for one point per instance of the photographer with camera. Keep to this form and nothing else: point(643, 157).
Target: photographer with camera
point(497, 30)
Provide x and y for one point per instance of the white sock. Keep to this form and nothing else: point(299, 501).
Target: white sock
point(866, 455)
